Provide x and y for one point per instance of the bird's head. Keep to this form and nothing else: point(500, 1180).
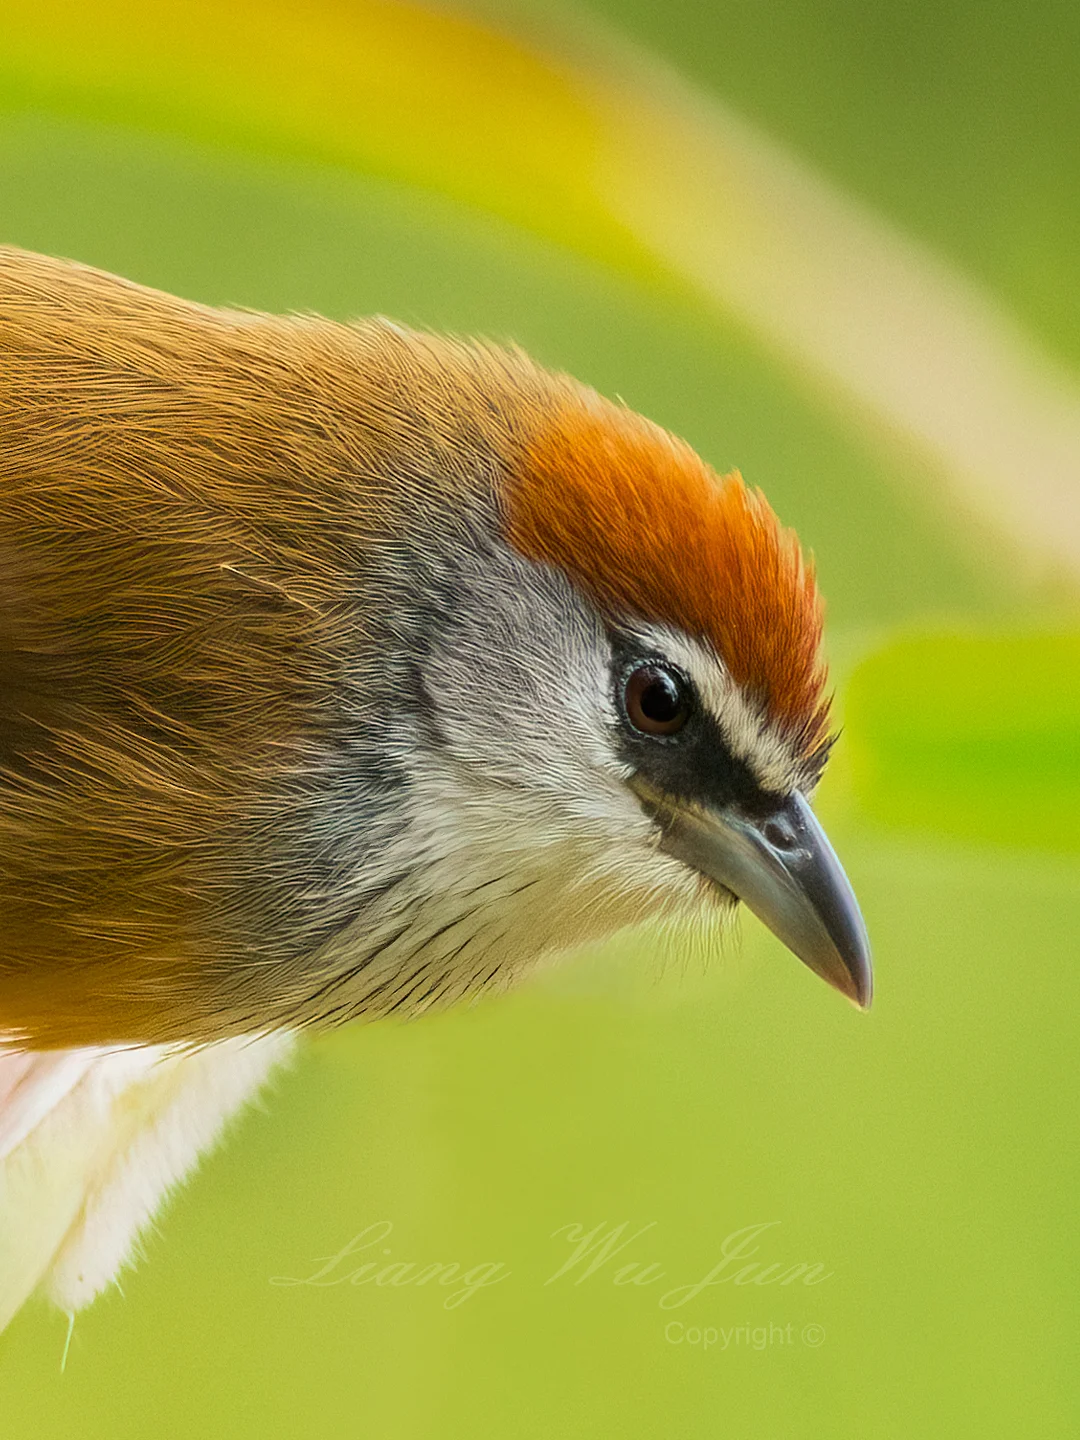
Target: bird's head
point(618, 705)
point(352, 670)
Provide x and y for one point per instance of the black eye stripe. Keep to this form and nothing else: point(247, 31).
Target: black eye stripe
point(694, 761)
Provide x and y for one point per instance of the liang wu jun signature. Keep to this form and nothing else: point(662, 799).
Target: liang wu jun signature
point(598, 1254)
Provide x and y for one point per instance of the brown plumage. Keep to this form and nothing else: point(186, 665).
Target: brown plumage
point(196, 509)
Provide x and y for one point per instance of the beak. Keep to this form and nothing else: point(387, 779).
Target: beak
point(783, 869)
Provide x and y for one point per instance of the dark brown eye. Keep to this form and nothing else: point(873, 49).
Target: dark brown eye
point(657, 700)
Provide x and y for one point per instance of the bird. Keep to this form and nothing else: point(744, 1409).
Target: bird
point(349, 670)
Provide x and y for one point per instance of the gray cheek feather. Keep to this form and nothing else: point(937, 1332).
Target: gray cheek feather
point(473, 814)
point(519, 681)
point(512, 833)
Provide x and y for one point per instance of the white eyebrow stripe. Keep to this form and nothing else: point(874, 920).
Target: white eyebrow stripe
point(773, 759)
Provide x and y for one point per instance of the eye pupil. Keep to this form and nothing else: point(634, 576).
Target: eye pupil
point(660, 700)
point(657, 700)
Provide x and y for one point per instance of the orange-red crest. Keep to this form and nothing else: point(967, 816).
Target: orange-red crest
point(649, 530)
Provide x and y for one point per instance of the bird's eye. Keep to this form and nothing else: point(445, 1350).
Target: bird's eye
point(657, 700)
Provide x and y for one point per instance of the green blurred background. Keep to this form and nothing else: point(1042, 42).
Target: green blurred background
point(923, 1154)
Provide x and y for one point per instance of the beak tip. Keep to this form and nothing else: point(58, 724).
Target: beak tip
point(864, 1001)
point(855, 984)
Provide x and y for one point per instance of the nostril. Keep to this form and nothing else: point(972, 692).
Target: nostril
point(778, 836)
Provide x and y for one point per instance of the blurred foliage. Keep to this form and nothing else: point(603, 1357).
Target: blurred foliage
point(417, 93)
point(973, 736)
point(961, 121)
